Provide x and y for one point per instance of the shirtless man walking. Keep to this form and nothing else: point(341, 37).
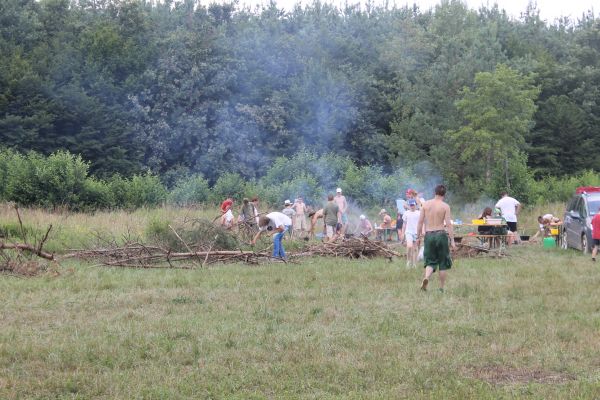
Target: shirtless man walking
point(435, 214)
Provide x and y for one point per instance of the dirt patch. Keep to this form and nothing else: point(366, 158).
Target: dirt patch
point(501, 375)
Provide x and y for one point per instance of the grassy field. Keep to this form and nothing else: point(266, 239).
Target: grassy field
point(525, 326)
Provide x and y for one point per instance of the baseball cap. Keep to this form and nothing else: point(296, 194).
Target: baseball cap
point(362, 217)
point(383, 211)
point(287, 202)
point(338, 190)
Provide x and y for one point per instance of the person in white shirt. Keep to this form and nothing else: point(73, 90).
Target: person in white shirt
point(274, 224)
point(410, 220)
point(227, 217)
point(509, 208)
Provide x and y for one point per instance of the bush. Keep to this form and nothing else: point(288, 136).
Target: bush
point(146, 190)
point(96, 194)
point(198, 234)
point(139, 191)
point(228, 185)
point(328, 170)
point(191, 190)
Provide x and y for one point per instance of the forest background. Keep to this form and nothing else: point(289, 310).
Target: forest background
point(109, 103)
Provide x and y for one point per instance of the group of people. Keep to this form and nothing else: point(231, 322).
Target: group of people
point(420, 221)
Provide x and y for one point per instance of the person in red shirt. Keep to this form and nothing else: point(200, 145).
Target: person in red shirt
point(595, 234)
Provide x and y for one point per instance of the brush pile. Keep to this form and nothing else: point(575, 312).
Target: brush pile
point(138, 255)
point(21, 258)
point(472, 249)
point(353, 248)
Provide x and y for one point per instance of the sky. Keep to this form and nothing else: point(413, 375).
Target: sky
point(549, 9)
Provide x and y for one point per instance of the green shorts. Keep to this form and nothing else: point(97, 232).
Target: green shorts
point(437, 251)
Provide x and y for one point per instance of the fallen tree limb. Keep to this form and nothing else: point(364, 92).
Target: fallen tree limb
point(29, 248)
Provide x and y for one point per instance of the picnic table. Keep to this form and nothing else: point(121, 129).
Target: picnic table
point(385, 232)
point(495, 236)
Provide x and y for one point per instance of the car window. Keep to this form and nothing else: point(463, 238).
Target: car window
point(572, 203)
point(581, 208)
point(577, 205)
point(593, 206)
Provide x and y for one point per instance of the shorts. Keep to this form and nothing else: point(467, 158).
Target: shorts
point(330, 231)
point(512, 226)
point(410, 238)
point(437, 251)
point(300, 223)
point(595, 242)
point(399, 222)
point(344, 218)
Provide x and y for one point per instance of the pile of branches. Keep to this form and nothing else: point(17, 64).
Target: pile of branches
point(473, 249)
point(138, 255)
point(355, 247)
point(20, 258)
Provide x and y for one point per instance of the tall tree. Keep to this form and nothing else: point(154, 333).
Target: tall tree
point(498, 113)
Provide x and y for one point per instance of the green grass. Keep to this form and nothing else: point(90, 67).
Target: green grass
point(526, 326)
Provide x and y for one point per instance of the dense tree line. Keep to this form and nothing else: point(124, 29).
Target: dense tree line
point(180, 89)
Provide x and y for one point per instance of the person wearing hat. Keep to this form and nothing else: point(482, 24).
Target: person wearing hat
point(340, 200)
point(289, 211)
point(227, 215)
point(365, 227)
point(274, 224)
point(411, 194)
point(300, 226)
point(410, 220)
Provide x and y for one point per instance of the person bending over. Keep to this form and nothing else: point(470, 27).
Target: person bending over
point(274, 224)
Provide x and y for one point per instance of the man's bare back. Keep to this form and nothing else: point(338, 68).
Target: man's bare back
point(435, 215)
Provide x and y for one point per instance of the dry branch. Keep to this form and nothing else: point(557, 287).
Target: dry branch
point(350, 248)
point(29, 248)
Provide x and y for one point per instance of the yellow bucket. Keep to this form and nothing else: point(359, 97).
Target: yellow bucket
point(554, 231)
point(477, 222)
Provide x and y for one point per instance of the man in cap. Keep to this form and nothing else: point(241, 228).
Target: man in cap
point(274, 224)
point(410, 220)
point(340, 200)
point(289, 211)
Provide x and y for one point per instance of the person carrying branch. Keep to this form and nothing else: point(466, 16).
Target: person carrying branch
point(274, 224)
point(435, 216)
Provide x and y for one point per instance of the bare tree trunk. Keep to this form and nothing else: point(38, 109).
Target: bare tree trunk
point(488, 166)
point(506, 173)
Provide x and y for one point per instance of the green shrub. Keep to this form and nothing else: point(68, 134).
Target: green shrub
point(190, 190)
point(139, 191)
point(96, 194)
point(228, 185)
point(198, 234)
point(146, 190)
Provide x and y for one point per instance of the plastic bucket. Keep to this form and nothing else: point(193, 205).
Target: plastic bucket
point(549, 242)
point(554, 231)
